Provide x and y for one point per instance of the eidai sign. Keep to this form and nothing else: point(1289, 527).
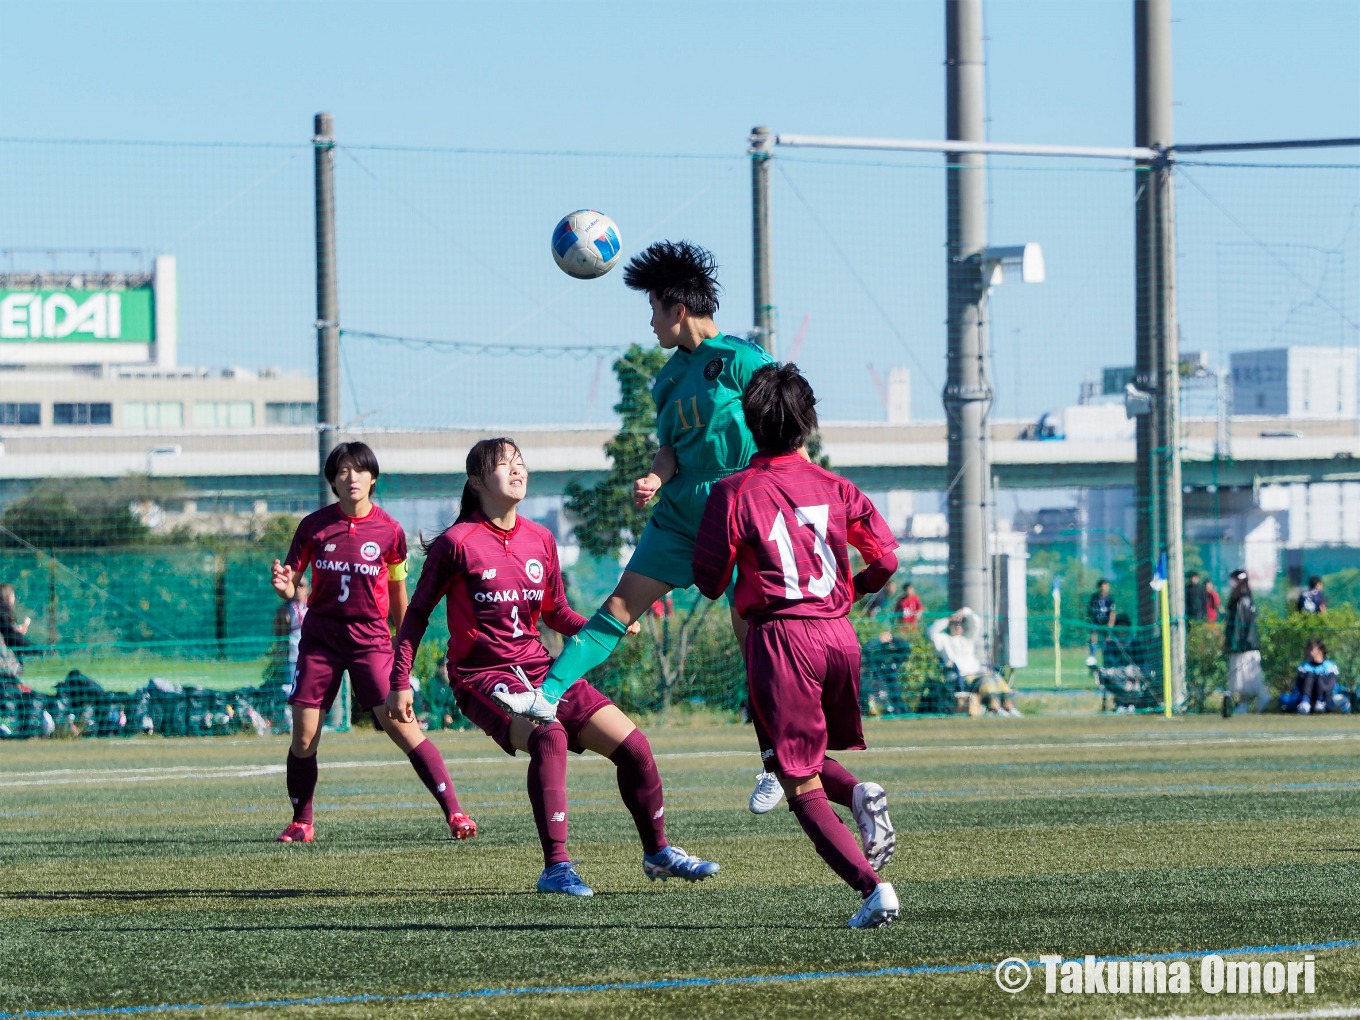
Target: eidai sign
point(124, 316)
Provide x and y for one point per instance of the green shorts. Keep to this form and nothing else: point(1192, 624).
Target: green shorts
point(665, 551)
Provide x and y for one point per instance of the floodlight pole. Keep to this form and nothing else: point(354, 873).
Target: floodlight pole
point(967, 395)
point(1158, 471)
point(327, 301)
point(762, 289)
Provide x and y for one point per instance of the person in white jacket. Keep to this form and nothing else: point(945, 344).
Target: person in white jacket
point(955, 638)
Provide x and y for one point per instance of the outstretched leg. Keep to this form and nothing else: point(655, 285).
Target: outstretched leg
point(633, 596)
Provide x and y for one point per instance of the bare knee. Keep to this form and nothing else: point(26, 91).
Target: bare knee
point(306, 731)
point(796, 786)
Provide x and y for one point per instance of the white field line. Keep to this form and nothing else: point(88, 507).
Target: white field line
point(173, 773)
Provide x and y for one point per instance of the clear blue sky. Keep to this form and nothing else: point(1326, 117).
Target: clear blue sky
point(693, 78)
point(657, 76)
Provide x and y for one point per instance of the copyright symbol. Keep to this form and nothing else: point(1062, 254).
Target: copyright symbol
point(1012, 975)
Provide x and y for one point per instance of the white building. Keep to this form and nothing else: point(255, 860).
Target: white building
point(1297, 382)
point(98, 350)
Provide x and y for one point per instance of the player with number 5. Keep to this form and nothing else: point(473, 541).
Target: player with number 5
point(357, 553)
point(784, 524)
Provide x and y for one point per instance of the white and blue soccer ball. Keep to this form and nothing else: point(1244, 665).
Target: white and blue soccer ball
point(586, 244)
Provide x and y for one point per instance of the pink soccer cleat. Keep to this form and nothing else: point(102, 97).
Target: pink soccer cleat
point(297, 832)
point(461, 826)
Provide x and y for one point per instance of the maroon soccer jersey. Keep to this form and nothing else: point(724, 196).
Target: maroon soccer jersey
point(349, 557)
point(497, 583)
point(784, 524)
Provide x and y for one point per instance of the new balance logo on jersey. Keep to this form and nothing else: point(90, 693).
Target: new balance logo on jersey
point(488, 574)
point(330, 547)
point(558, 816)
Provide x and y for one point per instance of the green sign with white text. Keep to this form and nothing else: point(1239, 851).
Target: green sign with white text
point(77, 316)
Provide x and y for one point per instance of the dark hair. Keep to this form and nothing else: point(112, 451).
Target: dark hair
point(361, 458)
point(1103, 580)
point(1314, 643)
point(1194, 573)
point(1314, 581)
point(481, 460)
point(780, 408)
point(676, 272)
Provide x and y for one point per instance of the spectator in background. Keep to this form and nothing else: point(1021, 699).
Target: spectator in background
point(1213, 605)
point(1316, 679)
point(288, 623)
point(12, 631)
point(1196, 598)
point(1100, 611)
point(909, 607)
point(959, 650)
point(1311, 599)
point(1242, 646)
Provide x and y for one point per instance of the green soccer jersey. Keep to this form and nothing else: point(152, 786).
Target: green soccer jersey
point(698, 406)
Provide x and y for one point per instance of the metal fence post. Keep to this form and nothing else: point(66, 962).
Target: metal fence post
point(327, 301)
point(763, 282)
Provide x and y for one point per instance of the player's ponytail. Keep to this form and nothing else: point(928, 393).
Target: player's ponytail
point(481, 461)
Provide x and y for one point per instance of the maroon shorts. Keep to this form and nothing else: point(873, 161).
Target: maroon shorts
point(472, 694)
point(803, 676)
point(328, 648)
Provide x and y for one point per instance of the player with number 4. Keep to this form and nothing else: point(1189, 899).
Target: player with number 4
point(784, 524)
point(357, 553)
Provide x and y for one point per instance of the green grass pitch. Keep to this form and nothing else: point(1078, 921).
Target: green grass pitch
point(144, 872)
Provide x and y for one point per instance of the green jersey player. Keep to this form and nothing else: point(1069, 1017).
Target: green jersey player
point(703, 437)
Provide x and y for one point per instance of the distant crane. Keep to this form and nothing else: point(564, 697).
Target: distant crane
point(798, 338)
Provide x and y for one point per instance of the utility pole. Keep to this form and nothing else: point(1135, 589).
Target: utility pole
point(763, 283)
point(967, 396)
point(327, 301)
point(1158, 473)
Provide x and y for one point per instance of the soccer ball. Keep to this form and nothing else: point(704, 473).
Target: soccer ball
point(586, 244)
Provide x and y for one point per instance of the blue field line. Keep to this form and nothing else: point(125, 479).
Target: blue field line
point(631, 986)
point(1181, 788)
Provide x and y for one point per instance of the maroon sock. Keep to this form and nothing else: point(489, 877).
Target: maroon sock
point(640, 787)
point(833, 840)
point(430, 767)
point(301, 786)
point(548, 790)
point(838, 783)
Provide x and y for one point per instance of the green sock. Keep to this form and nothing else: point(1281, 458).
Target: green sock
point(594, 643)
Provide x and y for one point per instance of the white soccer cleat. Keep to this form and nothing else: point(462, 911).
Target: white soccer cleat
point(876, 834)
point(767, 794)
point(880, 908)
point(532, 705)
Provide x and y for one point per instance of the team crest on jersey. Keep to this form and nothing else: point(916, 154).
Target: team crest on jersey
point(370, 550)
point(713, 369)
point(535, 571)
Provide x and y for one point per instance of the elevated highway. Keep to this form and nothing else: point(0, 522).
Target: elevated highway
point(876, 456)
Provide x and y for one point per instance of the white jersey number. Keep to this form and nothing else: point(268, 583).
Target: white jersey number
point(514, 618)
point(817, 517)
point(344, 588)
